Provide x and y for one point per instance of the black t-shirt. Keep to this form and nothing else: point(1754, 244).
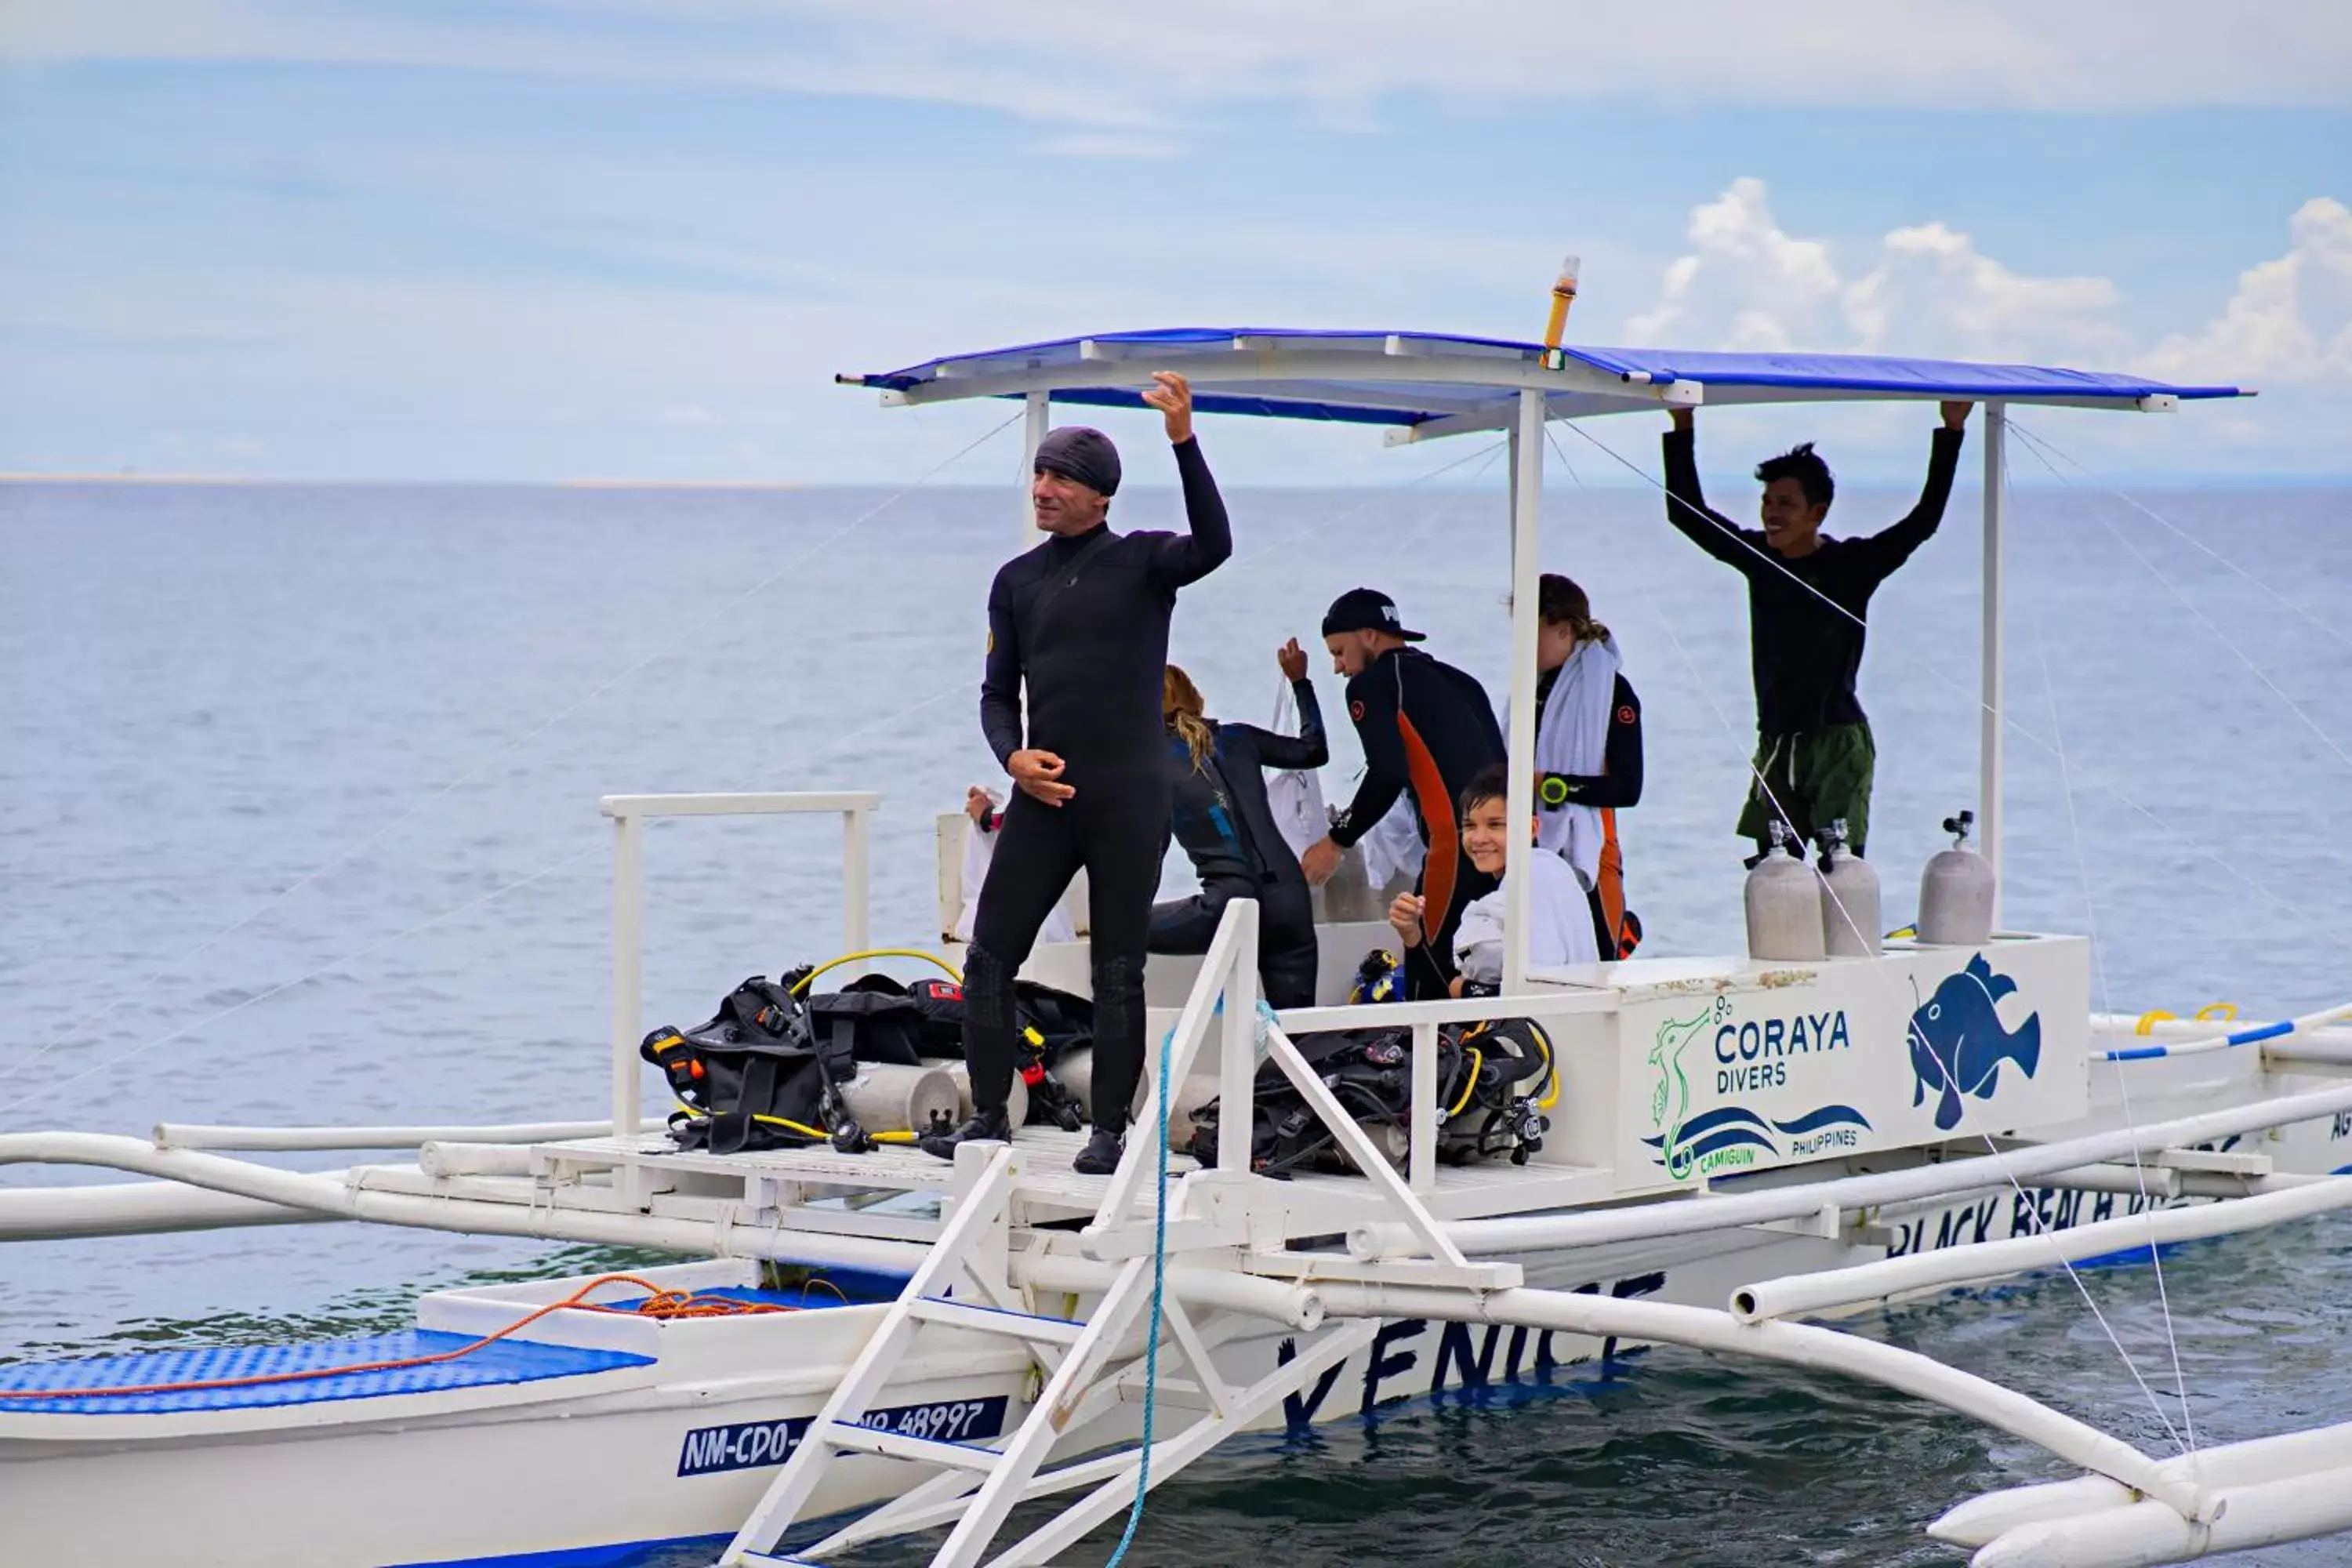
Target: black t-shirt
point(1806, 654)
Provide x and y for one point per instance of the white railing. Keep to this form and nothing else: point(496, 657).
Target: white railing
point(1226, 986)
point(629, 814)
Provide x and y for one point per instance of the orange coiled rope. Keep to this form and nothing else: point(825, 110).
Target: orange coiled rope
point(658, 1304)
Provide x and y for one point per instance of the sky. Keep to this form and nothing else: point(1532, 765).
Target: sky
point(634, 239)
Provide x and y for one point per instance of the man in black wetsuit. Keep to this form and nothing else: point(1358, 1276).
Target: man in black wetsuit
point(1227, 828)
point(1808, 598)
point(1083, 621)
point(1426, 728)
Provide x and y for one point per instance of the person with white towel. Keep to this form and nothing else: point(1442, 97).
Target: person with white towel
point(1588, 754)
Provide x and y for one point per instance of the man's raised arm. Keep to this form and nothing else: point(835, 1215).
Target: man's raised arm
point(1179, 558)
point(1891, 547)
point(1686, 507)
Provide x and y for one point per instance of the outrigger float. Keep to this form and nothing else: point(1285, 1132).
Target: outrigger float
point(1733, 1147)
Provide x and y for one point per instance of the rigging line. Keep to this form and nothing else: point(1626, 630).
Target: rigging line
point(1991, 1147)
point(380, 943)
point(2050, 447)
point(2122, 1075)
point(2207, 622)
point(680, 635)
point(2194, 845)
point(1379, 494)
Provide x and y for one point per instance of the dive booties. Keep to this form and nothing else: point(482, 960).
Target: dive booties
point(1100, 1156)
point(989, 1124)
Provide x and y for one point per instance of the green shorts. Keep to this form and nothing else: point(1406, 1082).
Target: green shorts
point(1817, 778)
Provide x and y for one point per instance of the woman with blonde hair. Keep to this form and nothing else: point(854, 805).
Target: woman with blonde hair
point(1221, 817)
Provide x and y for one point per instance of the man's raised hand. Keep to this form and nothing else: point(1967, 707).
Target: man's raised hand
point(1173, 397)
point(1956, 413)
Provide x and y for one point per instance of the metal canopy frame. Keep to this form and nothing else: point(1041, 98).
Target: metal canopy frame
point(1422, 386)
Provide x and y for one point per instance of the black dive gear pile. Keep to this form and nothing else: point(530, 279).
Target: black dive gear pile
point(1494, 1080)
point(766, 1070)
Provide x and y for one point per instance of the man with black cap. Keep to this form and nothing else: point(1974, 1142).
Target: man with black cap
point(1427, 729)
point(1082, 621)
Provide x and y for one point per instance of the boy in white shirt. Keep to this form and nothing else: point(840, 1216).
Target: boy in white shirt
point(1559, 916)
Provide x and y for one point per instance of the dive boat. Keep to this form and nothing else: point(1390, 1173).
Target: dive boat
point(862, 1344)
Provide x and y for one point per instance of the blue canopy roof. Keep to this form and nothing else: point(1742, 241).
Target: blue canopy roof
point(1426, 383)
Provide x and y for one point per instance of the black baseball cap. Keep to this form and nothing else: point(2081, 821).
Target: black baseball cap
point(1366, 610)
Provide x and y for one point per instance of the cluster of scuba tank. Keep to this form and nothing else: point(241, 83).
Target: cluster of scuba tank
point(880, 1062)
point(1798, 912)
point(874, 1062)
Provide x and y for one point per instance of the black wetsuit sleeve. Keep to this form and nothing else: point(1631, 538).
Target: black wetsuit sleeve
point(1621, 786)
point(1181, 557)
point(1881, 552)
point(999, 680)
point(1373, 703)
point(1687, 509)
point(1427, 972)
point(1307, 749)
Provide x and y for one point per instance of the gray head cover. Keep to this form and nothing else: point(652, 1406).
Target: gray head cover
point(1077, 452)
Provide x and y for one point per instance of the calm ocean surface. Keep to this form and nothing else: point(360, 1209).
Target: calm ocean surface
point(209, 693)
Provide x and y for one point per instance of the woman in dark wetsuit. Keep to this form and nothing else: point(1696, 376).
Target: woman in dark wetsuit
point(1221, 817)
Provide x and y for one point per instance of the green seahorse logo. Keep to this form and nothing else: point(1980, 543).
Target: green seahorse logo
point(1670, 1100)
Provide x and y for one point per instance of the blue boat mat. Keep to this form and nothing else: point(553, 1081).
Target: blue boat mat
point(505, 1362)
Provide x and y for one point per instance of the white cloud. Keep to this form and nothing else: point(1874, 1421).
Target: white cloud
point(1747, 282)
point(2291, 319)
point(1079, 61)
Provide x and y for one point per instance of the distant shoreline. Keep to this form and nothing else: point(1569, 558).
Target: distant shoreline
point(2237, 482)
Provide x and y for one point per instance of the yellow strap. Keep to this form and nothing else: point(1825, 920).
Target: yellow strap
point(2228, 1010)
point(900, 1136)
point(2148, 1022)
point(1469, 1085)
point(878, 952)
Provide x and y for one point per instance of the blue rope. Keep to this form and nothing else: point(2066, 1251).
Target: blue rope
point(1158, 1282)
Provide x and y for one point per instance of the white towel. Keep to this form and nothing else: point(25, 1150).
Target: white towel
point(978, 848)
point(1561, 929)
point(1296, 797)
point(1573, 737)
point(1393, 847)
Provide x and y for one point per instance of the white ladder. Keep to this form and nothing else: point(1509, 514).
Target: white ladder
point(1006, 1472)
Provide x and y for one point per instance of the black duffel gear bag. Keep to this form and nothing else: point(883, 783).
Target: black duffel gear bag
point(759, 1074)
point(1490, 1077)
point(926, 1018)
point(765, 1071)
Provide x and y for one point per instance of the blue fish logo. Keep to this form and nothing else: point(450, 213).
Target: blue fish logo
point(1958, 1043)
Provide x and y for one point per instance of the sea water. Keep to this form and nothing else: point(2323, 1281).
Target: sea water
point(297, 824)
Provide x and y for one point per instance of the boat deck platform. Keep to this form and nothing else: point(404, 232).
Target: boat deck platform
point(513, 1360)
point(892, 1192)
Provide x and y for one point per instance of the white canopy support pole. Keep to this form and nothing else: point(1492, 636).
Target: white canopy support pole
point(1526, 504)
point(628, 968)
point(1990, 716)
point(1040, 409)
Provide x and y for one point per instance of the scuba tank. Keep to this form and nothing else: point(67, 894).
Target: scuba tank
point(1956, 891)
point(1849, 898)
point(1784, 905)
point(889, 1095)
